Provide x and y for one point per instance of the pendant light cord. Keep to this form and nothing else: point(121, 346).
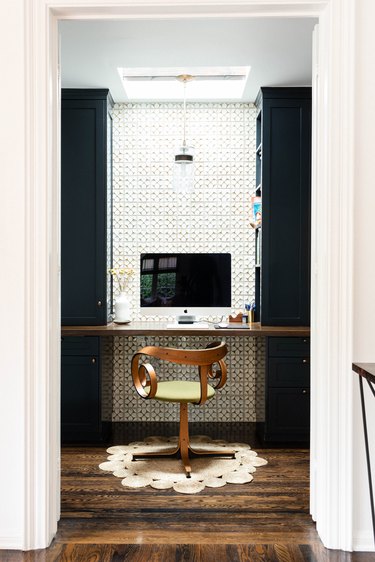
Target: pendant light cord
point(184, 78)
point(184, 141)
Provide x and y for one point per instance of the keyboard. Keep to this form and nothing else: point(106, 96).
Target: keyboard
point(232, 326)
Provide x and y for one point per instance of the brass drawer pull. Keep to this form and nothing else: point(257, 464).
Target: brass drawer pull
point(93, 360)
point(305, 360)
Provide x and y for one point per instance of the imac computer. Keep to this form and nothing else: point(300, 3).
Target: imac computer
point(187, 286)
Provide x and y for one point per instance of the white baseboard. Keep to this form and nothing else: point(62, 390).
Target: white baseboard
point(11, 543)
point(363, 541)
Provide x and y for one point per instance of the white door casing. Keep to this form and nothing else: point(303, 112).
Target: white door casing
point(332, 232)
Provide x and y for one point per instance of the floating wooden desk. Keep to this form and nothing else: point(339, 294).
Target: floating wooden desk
point(160, 328)
point(81, 366)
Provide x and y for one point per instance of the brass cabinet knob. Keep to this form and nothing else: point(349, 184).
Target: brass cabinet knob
point(304, 391)
point(93, 360)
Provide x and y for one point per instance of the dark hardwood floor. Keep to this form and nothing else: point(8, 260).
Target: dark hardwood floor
point(266, 520)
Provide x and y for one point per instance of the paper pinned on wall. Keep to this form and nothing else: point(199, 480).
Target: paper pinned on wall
point(256, 211)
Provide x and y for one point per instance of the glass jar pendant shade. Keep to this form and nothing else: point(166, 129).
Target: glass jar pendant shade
point(183, 167)
point(183, 170)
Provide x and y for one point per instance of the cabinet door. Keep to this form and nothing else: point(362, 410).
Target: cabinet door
point(80, 399)
point(288, 414)
point(286, 148)
point(83, 212)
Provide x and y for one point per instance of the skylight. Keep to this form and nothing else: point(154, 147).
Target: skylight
point(211, 83)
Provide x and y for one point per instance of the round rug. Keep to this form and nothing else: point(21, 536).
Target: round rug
point(166, 473)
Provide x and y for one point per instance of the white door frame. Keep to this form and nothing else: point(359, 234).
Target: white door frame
point(332, 235)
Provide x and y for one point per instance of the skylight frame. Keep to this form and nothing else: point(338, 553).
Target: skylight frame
point(210, 83)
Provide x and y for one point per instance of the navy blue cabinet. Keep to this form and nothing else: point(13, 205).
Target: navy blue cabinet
point(80, 390)
point(85, 197)
point(86, 254)
point(283, 170)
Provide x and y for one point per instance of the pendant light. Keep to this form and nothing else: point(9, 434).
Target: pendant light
point(183, 168)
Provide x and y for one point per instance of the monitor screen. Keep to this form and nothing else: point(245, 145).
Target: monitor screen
point(185, 280)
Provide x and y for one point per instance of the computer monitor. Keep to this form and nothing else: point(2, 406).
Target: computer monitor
point(182, 284)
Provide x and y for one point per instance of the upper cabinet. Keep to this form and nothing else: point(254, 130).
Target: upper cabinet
point(85, 205)
point(283, 169)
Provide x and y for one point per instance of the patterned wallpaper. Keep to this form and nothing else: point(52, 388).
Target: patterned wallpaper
point(148, 216)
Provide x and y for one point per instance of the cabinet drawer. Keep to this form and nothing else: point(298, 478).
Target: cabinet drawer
point(80, 345)
point(289, 347)
point(289, 372)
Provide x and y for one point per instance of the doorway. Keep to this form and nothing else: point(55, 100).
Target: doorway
point(341, 449)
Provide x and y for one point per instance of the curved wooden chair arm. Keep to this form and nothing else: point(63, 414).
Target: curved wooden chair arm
point(212, 354)
point(206, 372)
point(220, 374)
point(143, 376)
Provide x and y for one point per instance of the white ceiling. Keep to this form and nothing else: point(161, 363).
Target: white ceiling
point(278, 50)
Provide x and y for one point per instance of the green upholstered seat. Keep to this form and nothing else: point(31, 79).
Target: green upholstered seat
point(181, 391)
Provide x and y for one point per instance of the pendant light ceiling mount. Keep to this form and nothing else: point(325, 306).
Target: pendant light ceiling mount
point(185, 78)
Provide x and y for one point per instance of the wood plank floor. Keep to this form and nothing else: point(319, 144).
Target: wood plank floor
point(266, 520)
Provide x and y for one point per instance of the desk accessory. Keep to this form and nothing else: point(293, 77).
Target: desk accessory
point(250, 308)
point(122, 309)
point(235, 317)
point(122, 275)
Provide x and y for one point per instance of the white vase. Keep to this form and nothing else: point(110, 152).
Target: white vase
point(122, 308)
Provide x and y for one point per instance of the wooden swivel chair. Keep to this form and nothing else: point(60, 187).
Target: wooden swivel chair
point(182, 391)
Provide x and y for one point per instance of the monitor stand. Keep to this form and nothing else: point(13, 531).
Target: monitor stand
point(185, 319)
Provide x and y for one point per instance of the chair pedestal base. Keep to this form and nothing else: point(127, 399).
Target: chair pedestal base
point(184, 451)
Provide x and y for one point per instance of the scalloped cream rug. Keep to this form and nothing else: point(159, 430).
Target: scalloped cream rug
point(168, 473)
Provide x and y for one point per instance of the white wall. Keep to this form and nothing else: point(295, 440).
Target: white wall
point(148, 216)
point(364, 259)
point(12, 280)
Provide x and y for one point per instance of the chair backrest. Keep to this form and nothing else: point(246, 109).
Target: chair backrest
point(144, 373)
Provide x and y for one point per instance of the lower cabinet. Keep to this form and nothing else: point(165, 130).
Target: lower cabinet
point(80, 390)
point(287, 416)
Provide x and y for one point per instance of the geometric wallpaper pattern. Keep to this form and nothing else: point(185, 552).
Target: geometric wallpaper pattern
point(241, 399)
point(148, 216)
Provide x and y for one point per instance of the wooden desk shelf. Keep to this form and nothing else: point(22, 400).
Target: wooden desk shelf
point(159, 328)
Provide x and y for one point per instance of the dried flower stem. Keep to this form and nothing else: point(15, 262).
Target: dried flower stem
point(122, 276)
